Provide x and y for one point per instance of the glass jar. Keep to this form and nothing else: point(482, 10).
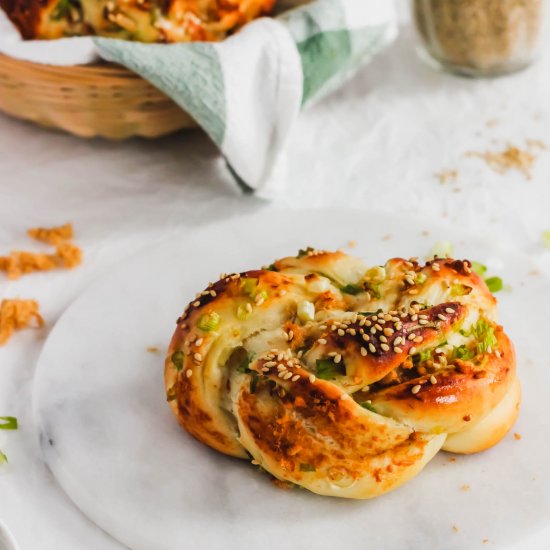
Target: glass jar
point(479, 37)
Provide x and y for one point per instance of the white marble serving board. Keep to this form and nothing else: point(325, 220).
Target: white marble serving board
point(112, 443)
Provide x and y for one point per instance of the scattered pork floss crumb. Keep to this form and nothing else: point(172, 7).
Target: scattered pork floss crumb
point(446, 176)
point(52, 235)
point(511, 158)
point(17, 314)
point(67, 255)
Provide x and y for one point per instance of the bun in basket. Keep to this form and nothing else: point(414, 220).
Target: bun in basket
point(140, 20)
point(342, 378)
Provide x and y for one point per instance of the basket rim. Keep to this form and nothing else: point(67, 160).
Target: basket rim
point(98, 68)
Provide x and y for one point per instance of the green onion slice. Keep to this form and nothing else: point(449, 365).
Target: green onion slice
point(177, 360)
point(209, 321)
point(8, 423)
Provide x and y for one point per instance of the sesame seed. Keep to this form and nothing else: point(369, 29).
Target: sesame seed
point(364, 351)
point(196, 303)
point(385, 347)
point(413, 291)
point(287, 376)
point(311, 378)
point(436, 267)
point(374, 317)
point(397, 350)
point(423, 322)
point(412, 350)
point(378, 327)
point(295, 377)
point(197, 357)
point(442, 317)
point(281, 367)
point(290, 335)
point(418, 339)
point(259, 300)
point(269, 364)
point(383, 339)
point(411, 336)
point(354, 318)
point(198, 341)
point(344, 396)
point(282, 373)
point(414, 317)
point(248, 307)
point(352, 331)
point(333, 327)
point(433, 379)
point(341, 332)
point(188, 373)
point(449, 310)
point(337, 358)
point(282, 292)
point(423, 316)
point(373, 330)
point(398, 340)
point(366, 337)
point(388, 331)
point(322, 327)
point(372, 348)
point(416, 389)
point(322, 341)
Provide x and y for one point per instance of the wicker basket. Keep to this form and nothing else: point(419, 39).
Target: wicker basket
point(89, 100)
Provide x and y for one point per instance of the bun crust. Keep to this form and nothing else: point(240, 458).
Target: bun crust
point(343, 378)
point(140, 20)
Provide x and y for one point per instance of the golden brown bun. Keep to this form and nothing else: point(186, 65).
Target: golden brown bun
point(140, 20)
point(341, 378)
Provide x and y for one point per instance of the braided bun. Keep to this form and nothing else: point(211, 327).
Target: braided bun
point(341, 378)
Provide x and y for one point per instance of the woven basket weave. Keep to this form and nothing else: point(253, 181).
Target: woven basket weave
point(103, 100)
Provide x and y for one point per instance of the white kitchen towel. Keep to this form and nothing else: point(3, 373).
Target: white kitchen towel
point(247, 91)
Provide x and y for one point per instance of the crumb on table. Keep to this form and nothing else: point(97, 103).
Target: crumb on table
point(446, 176)
point(517, 436)
point(17, 314)
point(153, 349)
point(52, 235)
point(510, 158)
point(67, 255)
point(465, 487)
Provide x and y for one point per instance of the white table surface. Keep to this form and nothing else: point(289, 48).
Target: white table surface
point(374, 145)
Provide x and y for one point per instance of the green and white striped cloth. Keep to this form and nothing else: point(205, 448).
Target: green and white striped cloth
point(247, 91)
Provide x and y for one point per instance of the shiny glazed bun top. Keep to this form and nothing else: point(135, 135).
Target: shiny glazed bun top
point(343, 378)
